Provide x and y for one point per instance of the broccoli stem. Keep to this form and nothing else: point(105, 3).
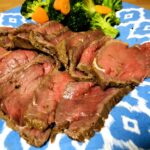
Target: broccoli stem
point(108, 3)
point(115, 5)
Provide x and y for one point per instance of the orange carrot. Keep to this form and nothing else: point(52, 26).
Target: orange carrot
point(62, 5)
point(102, 9)
point(40, 15)
point(57, 4)
point(65, 9)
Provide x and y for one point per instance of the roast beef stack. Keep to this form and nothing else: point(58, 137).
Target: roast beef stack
point(54, 80)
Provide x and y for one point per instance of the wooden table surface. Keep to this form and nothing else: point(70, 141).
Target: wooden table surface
point(8, 4)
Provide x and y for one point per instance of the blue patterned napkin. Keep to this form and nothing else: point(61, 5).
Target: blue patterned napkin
point(128, 124)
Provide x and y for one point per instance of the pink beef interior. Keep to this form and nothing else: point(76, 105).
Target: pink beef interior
point(120, 62)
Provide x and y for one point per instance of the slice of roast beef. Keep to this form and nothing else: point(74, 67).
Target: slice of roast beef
point(7, 30)
point(17, 89)
point(81, 115)
point(75, 89)
point(50, 28)
point(41, 36)
point(60, 42)
point(32, 136)
point(145, 48)
point(88, 55)
point(116, 64)
point(6, 37)
point(12, 38)
point(41, 112)
point(21, 36)
point(52, 37)
point(75, 48)
point(3, 52)
point(14, 59)
point(22, 71)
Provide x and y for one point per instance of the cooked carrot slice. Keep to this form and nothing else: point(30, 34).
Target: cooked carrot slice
point(40, 15)
point(62, 5)
point(57, 4)
point(65, 9)
point(102, 9)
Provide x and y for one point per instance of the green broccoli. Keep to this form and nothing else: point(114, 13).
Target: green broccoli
point(29, 6)
point(115, 5)
point(78, 19)
point(102, 22)
point(80, 16)
point(112, 19)
point(83, 16)
point(99, 22)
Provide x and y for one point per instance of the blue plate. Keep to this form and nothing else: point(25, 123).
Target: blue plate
point(128, 124)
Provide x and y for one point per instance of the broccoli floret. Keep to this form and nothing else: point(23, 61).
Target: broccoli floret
point(78, 19)
point(99, 22)
point(115, 5)
point(54, 14)
point(80, 16)
point(112, 19)
point(89, 7)
point(83, 16)
point(102, 22)
point(29, 6)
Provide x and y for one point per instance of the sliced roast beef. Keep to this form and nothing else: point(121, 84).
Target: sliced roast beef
point(14, 59)
point(6, 37)
point(64, 34)
point(17, 89)
point(50, 28)
point(6, 30)
point(12, 38)
point(21, 36)
point(75, 89)
point(88, 55)
point(32, 136)
point(35, 137)
point(41, 36)
point(80, 115)
point(39, 101)
point(22, 73)
point(41, 112)
point(145, 48)
point(3, 52)
point(60, 42)
point(48, 38)
point(116, 64)
point(75, 48)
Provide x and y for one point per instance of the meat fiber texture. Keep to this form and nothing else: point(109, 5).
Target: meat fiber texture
point(54, 80)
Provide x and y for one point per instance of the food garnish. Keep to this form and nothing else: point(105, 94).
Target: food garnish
point(40, 15)
point(78, 15)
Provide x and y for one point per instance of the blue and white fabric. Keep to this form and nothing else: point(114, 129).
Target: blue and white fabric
point(128, 124)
